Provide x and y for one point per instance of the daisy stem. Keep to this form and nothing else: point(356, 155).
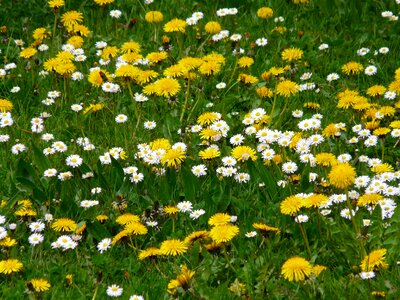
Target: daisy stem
point(95, 292)
point(184, 109)
point(304, 234)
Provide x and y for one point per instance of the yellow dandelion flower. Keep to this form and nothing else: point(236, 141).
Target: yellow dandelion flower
point(154, 17)
point(130, 46)
point(171, 210)
point(247, 79)
point(342, 175)
point(212, 27)
point(244, 153)
point(265, 12)
point(173, 247)
point(382, 168)
point(56, 3)
point(8, 242)
point(331, 130)
point(145, 76)
point(40, 284)
point(5, 105)
point(265, 229)
point(76, 41)
point(395, 124)
point(296, 269)
point(173, 158)
point(135, 228)
point(381, 131)
point(376, 90)
point(182, 280)
point(127, 218)
point(149, 252)
point(224, 233)
point(292, 54)
point(64, 224)
point(287, 88)
point(352, 68)
point(318, 269)
point(93, 108)
point(160, 144)
point(70, 18)
point(195, 236)
point(208, 118)
point(40, 34)
point(315, 201)
point(109, 52)
point(325, 159)
point(10, 266)
point(175, 71)
point(190, 63)
point(127, 71)
point(28, 52)
point(219, 219)
point(245, 62)
point(210, 68)
point(369, 199)
point(103, 2)
point(374, 261)
point(264, 92)
point(156, 57)
point(167, 87)
point(175, 25)
point(209, 153)
point(97, 77)
point(291, 205)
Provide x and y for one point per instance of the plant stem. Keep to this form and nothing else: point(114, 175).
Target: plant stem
point(356, 230)
point(304, 234)
point(184, 109)
point(228, 261)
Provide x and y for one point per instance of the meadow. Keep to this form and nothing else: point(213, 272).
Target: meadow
point(187, 149)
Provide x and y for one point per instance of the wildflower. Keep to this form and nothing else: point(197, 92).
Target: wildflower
point(35, 239)
point(223, 233)
point(212, 27)
point(370, 70)
point(64, 224)
point(367, 275)
point(182, 280)
point(296, 269)
point(209, 153)
point(197, 214)
point(352, 68)
point(219, 219)
point(374, 261)
point(74, 160)
point(292, 54)
point(265, 12)
point(154, 17)
point(175, 25)
point(55, 4)
point(5, 105)
point(40, 284)
point(114, 290)
point(167, 87)
point(149, 252)
point(244, 153)
point(104, 245)
point(173, 247)
point(121, 118)
point(287, 88)
point(342, 175)
point(291, 205)
point(265, 229)
point(10, 266)
point(115, 13)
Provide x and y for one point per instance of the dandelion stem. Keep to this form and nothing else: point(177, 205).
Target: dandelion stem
point(95, 292)
point(227, 260)
point(304, 234)
point(55, 25)
point(273, 106)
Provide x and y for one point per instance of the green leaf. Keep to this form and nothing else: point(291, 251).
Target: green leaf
point(189, 184)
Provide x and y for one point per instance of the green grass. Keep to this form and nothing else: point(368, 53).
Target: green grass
point(333, 241)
